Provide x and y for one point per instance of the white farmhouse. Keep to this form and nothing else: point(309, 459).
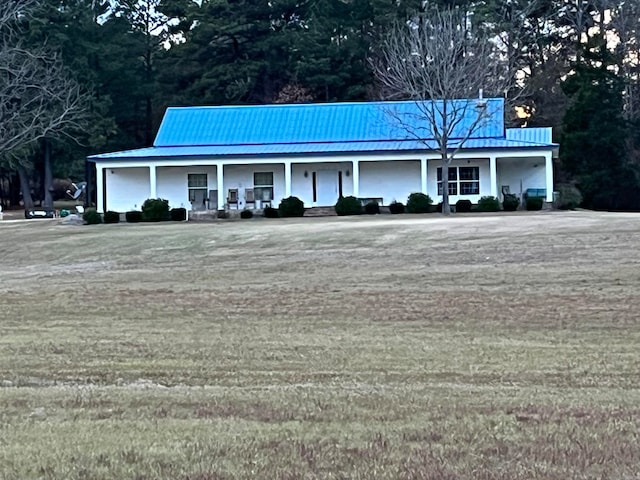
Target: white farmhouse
point(212, 158)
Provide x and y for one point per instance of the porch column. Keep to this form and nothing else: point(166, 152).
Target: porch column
point(356, 178)
point(99, 188)
point(493, 176)
point(153, 182)
point(423, 175)
point(287, 179)
point(548, 170)
point(220, 183)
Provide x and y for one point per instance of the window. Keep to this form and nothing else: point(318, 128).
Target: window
point(453, 184)
point(197, 186)
point(465, 180)
point(469, 180)
point(263, 186)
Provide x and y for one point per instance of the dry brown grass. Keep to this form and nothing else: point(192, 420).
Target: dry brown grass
point(408, 347)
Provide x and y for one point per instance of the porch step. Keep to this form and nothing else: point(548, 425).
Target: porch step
point(320, 212)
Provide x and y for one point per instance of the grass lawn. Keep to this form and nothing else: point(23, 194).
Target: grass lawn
point(389, 347)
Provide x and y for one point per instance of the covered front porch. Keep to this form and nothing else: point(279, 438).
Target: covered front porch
point(210, 184)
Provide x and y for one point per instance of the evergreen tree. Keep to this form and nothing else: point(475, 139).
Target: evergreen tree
point(593, 145)
point(231, 51)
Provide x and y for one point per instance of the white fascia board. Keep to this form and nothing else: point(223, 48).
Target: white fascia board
point(307, 159)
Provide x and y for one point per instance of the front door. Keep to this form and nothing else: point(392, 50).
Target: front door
point(327, 187)
point(197, 183)
point(198, 199)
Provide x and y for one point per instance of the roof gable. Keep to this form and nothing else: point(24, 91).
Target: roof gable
point(317, 123)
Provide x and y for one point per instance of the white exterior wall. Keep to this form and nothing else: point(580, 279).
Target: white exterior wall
point(302, 187)
point(391, 180)
point(172, 183)
point(528, 172)
point(127, 188)
point(485, 180)
point(128, 183)
point(241, 177)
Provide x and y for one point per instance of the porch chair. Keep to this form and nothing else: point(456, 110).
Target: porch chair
point(232, 197)
point(249, 197)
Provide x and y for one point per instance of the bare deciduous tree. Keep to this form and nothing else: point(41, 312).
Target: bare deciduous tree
point(436, 60)
point(38, 98)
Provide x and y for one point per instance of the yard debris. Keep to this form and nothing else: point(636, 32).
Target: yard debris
point(72, 219)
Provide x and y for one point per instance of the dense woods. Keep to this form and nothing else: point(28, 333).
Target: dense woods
point(125, 61)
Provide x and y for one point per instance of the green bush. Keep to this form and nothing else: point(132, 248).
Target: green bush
point(534, 203)
point(64, 213)
point(134, 216)
point(396, 207)
point(178, 214)
point(489, 204)
point(372, 208)
point(270, 212)
point(246, 214)
point(348, 206)
point(419, 203)
point(291, 207)
point(155, 210)
point(569, 197)
point(111, 217)
point(91, 217)
point(462, 206)
point(510, 203)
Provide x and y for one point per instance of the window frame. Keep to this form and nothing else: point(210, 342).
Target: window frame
point(191, 189)
point(259, 188)
point(457, 185)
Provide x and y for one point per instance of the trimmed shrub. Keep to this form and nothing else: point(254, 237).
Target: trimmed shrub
point(222, 214)
point(155, 210)
point(91, 217)
point(569, 197)
point(372, 208)
point(291, 207)
point(348, 206)
point(64, 213)
point(419, 203)
point(462, 206)
point(178, 214)
point(489, 204)
point(111, 217)
point(246, 214)
point(534, 203)
point(134, 216)
point(270, 212)
point(396, 207)
point(510, 203)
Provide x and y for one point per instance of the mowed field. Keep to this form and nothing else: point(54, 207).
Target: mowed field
point(390, 347)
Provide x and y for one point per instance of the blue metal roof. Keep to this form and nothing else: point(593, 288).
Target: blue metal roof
point(324, 129)
point(533, 135)
point(308, 148)
point(328, 122)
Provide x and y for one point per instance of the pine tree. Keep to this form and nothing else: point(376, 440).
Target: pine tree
point(593, 145)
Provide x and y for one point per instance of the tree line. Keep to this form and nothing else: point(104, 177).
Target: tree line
point(84, 76)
